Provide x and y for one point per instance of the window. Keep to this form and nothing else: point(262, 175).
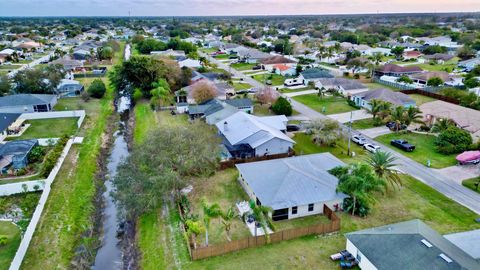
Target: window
point(310, 207)
point(359, 257)
point(294, 210)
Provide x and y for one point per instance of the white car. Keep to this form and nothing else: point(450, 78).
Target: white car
point(371, 147)
point(359, 140)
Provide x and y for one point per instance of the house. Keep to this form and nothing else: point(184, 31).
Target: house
point(396, 71)
point(465, 118)
point(344, 86)
point(215, 110)
point(81, 54)
point(245, 135)
point(252, 56)
point(190, 63)
point(69, 88)
point(277, 60)
point(185, 95)
point(411, 55)
point(27, 103)
point(169, 52)
point(313, 75)
point(15, 154)
point(293, 187)
point(470, 64)
point(441, 58)
point(378, 50)
point(68, 64)
point(284, 70)
point(406, 245)
point(6, 120)
point(468, 241)
point(396, 98)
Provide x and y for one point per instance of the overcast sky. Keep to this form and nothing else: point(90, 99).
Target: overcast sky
point(226, 7)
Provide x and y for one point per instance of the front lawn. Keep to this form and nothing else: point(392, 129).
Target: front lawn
point(10, 67)
point(241, 86)
point(363, 124)
point(222, 56)
point(274, 78)
point(49, 128)
point(7, 252)
point(470, 183)
point(325, 105)
point(242, 66)
point(421, 99)
point(424, 149)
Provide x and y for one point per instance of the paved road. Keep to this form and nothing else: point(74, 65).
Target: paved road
point(439, 182)
point(30, 65)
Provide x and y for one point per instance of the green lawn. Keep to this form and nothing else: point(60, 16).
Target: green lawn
point(7, 252)
point(470, 183)
point(373, 86)
point(424, 149)
point(421, 99)
point(241, 86)
point(288, 90)
point(208, 50)
point(300, 222)
point(242, 66)
point(10, 67)
point(274, 78)
point(363, 124)
point(325, 105)
point(49, 128)
point(221, 56)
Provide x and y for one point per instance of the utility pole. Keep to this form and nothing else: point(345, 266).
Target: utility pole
point(349, 133)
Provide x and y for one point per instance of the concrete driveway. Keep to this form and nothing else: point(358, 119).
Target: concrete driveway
point(375, 132)
point(459, 173)
point(356, 115)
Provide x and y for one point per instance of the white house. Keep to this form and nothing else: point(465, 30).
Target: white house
point(190, 63)
point(293, 187)
point(27, 103)
point(344, 86)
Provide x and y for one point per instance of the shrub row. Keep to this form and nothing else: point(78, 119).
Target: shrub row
point(52, 156)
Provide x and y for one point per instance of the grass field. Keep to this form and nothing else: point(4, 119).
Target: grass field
point(325, 105)
point(424, 149)
point(7, 252)
point(241, 86)
point(49, 128)
point(421, 99)
point(9, 67)
point(275, 78)
point(363, 124)
point(373, 86)
point(242, 66)
point(470, 183)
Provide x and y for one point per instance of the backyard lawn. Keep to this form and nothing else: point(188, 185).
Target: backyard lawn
point(274, 78)
point(373, 86)
point(424, 149)
point(242, 66)
point(470, 183)
point(325, 105)
point(7, 252)
point(421, 99)
point(49, 128)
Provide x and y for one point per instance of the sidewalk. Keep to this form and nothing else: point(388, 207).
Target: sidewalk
point(356, 115)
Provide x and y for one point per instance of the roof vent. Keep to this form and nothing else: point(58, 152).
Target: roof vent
point(447, 259)
point(426, 243)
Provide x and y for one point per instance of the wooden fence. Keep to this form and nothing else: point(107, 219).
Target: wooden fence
point(276, 237)
point(430, 94)
point(231, 162)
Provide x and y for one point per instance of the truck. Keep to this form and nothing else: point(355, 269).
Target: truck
point(402, 144)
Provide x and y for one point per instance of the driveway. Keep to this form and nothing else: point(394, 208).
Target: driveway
point(376, 131)
point(345, 117)
point(300, 93)
point(459, 173)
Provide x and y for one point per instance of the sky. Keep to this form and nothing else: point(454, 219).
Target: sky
point(227, 7)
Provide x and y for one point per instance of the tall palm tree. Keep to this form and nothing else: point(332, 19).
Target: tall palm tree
point(262, 216)
point(385, 110)
point(413, 115)
point(375, 107)
point(209, 212)
point(227, 218)
point(383, 164)
point(442, 124)
point(397, 115)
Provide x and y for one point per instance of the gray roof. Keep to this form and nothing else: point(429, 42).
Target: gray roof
point(399, 246)
point(215, 105)
point(396, 98)
point(25, 99)
point(316, 73)
point(240, 102)
point(346, 84)
point(17, 148)
point(294, 181)
point(6, 119)
point(467, 241)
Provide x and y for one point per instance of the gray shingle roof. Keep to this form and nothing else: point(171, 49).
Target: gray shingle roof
point(6, 119)
point(294, 181)
point(399, 246)
point(25, 99)
point(346, 84)
point(396, 98)
point(316, 73)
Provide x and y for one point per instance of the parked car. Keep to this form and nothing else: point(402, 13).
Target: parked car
point(269, 82)
point(371, 147)
point(293, 127)
point(468, 157)
point(256, 67)
point(392, 126)
point(402, 144)
point(359, 139)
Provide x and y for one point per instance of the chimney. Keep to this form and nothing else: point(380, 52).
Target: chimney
point(225, 126)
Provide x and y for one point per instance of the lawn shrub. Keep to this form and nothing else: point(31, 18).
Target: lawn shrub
point(97, 88)
point(282, 106)
point(52, 156)
point(361, 208)
point(3, 240)
point(453, 140)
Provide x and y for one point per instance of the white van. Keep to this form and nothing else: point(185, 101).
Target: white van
point(293, 82)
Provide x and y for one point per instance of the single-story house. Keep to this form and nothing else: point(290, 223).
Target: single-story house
point(396, 71)
point(412, 55)
point(185, 95)
point(15, 154)
point(6, 120)
point(465, 118)
point(190, 63)
point(271, 62)
point(68, 64)
point(284, 70)
point(439, 57)
point(344, 86)
point(252, 56)
point(27, 103)
point(406, 245)
point(313, 75)
point(468, 241)
point(469, 64)
point(169, 52)
point(396, 98)
point(81, 54)
point(293, 187)
point(423, 77)
point(245, 135)
point(69, 88)
point(215, 110)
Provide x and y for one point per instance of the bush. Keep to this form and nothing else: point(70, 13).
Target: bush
point(36, 154)
point(97, 88)
point(361, 208)
point(137, 94)
point(52, 156)
point(282, 106)
point(356, 76)
point(453, 140)
point(3, 240)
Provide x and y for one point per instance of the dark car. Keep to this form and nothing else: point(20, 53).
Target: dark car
point(393, 126)
point(293, 127)
point(256, 67)
point(402, 144)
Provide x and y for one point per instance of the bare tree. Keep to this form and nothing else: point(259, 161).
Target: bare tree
point(267, 95)
point(203, 91)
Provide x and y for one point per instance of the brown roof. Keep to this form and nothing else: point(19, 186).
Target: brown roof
point(466, 118)
point(412, 53)
point(277, 59)
point(396, 98)
point(388, 68)
point(439, 56)
point(425, 76)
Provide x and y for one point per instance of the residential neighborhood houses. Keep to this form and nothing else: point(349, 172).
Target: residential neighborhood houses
point(312, 142)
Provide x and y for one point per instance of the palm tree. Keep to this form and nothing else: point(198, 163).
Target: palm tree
point(194, 228)
point(209, 212)
point(375, 107)
point(385, 110)
point(262, 216)
point(442, 124)
point(397, 115)
point(383, 164)
point(227, 218)
point(413, 115)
